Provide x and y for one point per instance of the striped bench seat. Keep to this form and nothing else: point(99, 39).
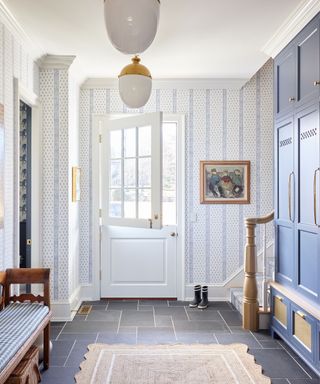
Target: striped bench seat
point(18, 321)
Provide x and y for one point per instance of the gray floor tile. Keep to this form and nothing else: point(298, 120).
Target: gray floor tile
point(270, 344)
point(247, 339)
point(199, 326)
point(99, 307)
point(77, 354)
point(231, 317)
point(177, 313)
point(262, 335)
point(89, 337)
point(61, 375)
point(163, 321)
point(178, 303)
point(110, 315)
point(137, 318)
point(238, 329)
point(196, 338)
point(163, 335)
point(79, 317)
point(90, 326)
point(198, 314)
point(120, 338)
point(128, 329)
point(219, 305)
point(279, 381)
point(96, 302)
point(57, 361)
point(155, 303)
point(148, 308)
point(304, 381)
point(57, 323)
point(61, 348)
point(123, 305)
point(278, 364)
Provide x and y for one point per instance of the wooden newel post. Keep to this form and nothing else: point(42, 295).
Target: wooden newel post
point(250, 292)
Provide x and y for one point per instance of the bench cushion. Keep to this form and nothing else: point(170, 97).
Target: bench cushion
point(17, 323)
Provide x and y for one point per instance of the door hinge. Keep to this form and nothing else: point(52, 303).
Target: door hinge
point(100, 138)
point(100, 212)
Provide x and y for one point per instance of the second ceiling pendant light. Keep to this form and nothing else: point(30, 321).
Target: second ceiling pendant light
point(131, 27)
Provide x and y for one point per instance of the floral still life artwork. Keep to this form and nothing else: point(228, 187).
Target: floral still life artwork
point(225, 182)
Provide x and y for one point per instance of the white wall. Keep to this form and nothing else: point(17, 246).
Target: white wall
point(221, 124)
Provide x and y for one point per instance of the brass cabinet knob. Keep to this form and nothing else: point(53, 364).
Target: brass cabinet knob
point(316, 83)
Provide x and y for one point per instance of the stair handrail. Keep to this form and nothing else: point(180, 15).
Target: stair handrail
point(250, 290)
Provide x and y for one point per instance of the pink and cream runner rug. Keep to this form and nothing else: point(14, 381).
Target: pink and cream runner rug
point(169, 364)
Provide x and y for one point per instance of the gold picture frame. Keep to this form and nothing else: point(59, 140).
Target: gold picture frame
point(76, 191)
point(225, 182)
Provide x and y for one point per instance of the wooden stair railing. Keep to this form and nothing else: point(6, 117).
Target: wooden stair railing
point(250, 291)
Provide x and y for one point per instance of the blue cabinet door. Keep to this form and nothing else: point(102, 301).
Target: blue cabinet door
point(285, 81)
point(308, 77)
point(284, 202)
point(308, 200)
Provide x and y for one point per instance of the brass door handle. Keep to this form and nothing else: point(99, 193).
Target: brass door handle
point(315, 197)
point(301, 314)
point(289, 196)
point(279, 298)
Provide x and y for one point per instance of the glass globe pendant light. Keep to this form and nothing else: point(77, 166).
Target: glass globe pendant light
point(131, 24)
point(135, 84)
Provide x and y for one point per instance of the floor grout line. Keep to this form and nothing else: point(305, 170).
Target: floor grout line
point(215, 336)
point(225, 322)
point(61, 331)
point(74, 343)
point(258, 340)
point(292, 357)
point(154, 317)
point(95, 342)
point(119, 322)
point(107, 306)
point(174, 329)
point(185, 309)
point(136, 335)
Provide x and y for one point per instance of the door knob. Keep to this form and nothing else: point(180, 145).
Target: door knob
point(173, 234)
point(291, 99)
point(315, 83)
point(28, 241)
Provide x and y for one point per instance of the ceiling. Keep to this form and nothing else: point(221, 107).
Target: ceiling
point(195, 39)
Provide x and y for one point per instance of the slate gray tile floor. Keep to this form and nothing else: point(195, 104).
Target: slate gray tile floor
point(166, 322)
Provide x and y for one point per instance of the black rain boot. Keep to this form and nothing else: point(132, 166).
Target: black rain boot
point(197, 297)
point(204, 301)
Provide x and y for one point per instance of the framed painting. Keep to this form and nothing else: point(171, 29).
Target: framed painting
point(76, 172)
point(225, 182)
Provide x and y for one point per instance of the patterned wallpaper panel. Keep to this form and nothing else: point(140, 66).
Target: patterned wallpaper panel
point(220, 125)
point(14, 62)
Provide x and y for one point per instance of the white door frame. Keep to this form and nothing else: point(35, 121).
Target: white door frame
point(30, 98)
point(96, 188)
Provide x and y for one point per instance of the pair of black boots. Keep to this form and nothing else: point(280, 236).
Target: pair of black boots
point(198, 301)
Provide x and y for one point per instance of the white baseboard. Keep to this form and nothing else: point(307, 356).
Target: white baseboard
point(65, 310)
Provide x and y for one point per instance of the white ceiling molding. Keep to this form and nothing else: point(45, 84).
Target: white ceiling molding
point(14, 27)
point(209, 83)
point(291, 27)
point(56, 61)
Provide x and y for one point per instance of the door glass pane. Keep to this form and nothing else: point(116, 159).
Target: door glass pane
point(169, 208)
point(115, 179)
point(116, 144)
point(115, 203)
point(144, 196)
point(130, 203)
point(145, 141)
point(129, 172)
point(130, 142)
point(145, 172)
point(169, 173)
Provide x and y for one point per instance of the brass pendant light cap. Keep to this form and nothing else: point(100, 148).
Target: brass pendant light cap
point(135, 68)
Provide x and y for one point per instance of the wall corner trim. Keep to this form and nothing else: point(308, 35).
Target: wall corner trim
point(15, 28)
point(56, 61)
point(298, 19)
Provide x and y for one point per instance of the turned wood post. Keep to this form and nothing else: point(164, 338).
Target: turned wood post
point(250, 292)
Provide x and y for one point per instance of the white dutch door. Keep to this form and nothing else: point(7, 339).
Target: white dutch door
point(139, 211)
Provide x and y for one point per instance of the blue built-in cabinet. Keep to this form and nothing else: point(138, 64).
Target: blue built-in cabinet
point(295, 297)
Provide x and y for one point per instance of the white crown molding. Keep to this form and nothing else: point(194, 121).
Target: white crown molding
point(209, 83)
point(56, 61)
point(298, 19)
point(15, 28)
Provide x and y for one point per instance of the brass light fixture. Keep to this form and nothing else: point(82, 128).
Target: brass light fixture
point(135, 84)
